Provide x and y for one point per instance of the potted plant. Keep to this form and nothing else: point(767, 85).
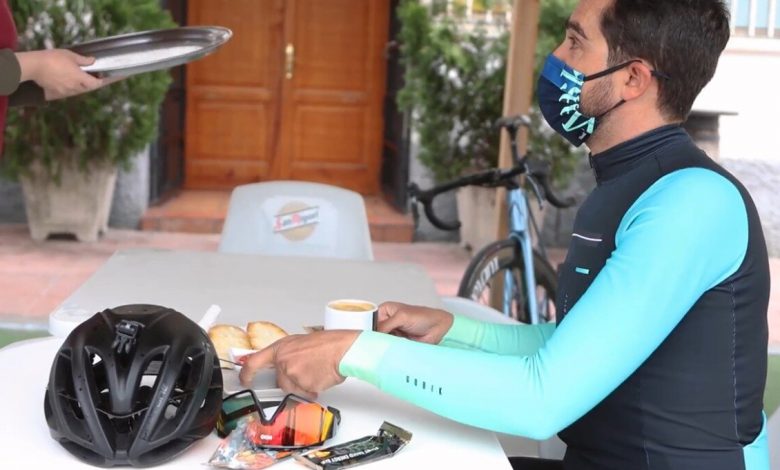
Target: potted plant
point(454, 88)
point(66, 153)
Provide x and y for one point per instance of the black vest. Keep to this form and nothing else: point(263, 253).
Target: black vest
point(698, 398)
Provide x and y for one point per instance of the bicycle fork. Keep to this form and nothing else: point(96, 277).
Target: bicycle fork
point(518, 229)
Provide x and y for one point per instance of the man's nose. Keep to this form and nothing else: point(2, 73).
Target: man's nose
point(560, 52)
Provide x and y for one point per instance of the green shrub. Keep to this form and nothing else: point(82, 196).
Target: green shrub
point(454, 87)
point(108, 125)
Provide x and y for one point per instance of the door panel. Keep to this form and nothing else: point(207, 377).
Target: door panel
point(332, 44)
point(233, 95)
point(297, 93)
point(329, 134)
point(332, 126)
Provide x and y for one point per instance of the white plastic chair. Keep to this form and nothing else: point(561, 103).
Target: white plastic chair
point(296, 218)
point(513, 446)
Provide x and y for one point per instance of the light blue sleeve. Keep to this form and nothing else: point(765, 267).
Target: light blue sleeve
point(684, 235)
point(518, 340)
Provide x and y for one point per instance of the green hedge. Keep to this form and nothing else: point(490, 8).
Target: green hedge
point(454, 88)
point(109, 125)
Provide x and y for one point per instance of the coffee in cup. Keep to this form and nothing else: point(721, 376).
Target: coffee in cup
point(350, 314)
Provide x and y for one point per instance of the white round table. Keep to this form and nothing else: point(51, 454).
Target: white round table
point(436, 442)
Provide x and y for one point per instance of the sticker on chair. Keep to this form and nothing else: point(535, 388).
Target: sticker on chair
point(310, 221)
point(296, 221)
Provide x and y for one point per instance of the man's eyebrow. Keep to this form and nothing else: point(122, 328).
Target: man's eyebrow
point(576, 27)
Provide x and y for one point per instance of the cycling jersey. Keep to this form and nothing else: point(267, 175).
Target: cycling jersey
point(659, 357)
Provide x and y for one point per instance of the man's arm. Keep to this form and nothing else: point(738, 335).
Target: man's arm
point(518, 340)
point(683, 236)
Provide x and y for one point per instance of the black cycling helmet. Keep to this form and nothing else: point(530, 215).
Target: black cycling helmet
point(134, 385)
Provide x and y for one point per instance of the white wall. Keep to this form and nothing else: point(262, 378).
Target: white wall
point(746, 82)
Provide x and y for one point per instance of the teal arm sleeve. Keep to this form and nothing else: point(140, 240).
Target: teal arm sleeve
point(520, 339)
point(684, 235)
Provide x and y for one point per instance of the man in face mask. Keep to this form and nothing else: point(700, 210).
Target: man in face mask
point(658, 357)
point(575, 103)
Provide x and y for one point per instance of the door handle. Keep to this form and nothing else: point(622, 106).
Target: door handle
point(289, 62)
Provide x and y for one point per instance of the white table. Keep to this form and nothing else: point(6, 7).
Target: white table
point(290, 292)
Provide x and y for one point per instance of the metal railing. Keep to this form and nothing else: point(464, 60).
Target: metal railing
point(493, 16)
point(751, 18)
point(755, 18)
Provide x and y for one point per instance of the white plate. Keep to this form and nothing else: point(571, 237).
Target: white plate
point(264, 383)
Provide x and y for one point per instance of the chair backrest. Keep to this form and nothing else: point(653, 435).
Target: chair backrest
point(296, 218)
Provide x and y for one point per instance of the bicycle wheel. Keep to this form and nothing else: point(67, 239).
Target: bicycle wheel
point(486, 272)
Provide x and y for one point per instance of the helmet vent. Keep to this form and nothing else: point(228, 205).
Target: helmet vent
point(98, 368)
point(75, 407)
point(170, 411)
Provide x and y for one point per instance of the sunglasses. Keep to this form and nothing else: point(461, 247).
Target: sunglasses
point(293, 422)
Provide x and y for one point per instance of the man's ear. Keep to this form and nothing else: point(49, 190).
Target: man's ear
point(639, 79)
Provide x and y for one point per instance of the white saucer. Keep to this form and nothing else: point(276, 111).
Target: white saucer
point(264, 383)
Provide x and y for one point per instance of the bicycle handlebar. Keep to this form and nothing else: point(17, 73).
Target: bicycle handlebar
point(513, 122)
point(426, 199)
point(490, 178)
point(543, 177)
point(493, 178)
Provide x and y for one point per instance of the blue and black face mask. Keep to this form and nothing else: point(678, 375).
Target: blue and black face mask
point(559, 90)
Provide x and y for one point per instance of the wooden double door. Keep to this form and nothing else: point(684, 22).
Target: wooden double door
point(297, 93)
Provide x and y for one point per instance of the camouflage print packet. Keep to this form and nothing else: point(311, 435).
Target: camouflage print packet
point(238, 452)
point(386, 443)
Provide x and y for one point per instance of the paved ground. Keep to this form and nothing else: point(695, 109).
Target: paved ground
point(36, 277)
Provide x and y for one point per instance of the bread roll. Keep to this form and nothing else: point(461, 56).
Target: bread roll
point(225, 337)
point(263, 334)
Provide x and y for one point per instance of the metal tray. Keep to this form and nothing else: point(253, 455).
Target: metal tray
point(129, 54)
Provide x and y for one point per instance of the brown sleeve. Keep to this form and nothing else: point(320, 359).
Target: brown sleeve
point(28, 94)
point(10, 72)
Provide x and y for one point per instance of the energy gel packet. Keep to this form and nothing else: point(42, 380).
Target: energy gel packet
point(237, 451)
point(385, 443)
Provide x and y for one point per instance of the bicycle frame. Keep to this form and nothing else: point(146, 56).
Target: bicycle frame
point(522, 226)
point(519, 230)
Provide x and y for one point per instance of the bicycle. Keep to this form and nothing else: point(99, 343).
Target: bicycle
point(527, 295)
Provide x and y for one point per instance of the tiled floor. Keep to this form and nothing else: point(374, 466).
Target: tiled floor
point(36, 277)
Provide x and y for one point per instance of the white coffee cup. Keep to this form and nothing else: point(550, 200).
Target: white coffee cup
point(350, 314)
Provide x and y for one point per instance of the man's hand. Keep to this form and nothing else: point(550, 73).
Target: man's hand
point(58, 72)
point(305, 364)
point(423, 324)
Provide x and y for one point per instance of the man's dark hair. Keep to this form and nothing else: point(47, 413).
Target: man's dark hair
point(679, 38)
